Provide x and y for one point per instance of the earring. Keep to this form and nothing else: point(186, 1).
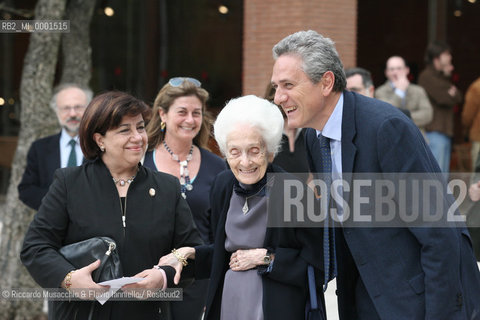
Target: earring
point(162, 126)
point(102, 148)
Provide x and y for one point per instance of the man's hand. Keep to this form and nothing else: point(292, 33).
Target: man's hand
point(401, 82)
point(452, 91)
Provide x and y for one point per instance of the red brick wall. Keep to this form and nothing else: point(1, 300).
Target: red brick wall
point(268, 21)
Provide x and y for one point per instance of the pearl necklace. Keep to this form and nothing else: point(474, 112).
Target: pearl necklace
point(185, 183)
point(122, 182)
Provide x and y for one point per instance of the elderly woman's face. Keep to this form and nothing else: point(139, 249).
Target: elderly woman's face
point(247, 155)
point(125, 145)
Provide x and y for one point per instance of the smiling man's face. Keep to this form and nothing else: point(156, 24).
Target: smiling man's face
point(301, 99)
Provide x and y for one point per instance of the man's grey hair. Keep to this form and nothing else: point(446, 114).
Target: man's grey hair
point(364, 73)
point(56, 90)
point(317, 53)
point(255, 112)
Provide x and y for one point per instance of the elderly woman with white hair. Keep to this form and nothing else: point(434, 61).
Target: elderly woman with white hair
point(256, 272)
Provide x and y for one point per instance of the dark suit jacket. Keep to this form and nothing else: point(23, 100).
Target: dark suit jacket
point(473, 215)
point(83, 202)
point(285, 287)
point(409, 273)
point(43, 159)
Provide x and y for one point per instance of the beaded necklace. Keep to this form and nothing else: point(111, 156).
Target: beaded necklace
point(185, 183)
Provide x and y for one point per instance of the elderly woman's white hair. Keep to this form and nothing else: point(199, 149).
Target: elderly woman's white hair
point(255, 112)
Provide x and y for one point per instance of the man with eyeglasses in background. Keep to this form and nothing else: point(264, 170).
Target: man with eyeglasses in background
point(406, 96)
point(56, 151)
point(359, 80)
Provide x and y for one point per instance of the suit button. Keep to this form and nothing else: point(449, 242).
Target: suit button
point(362, 261)
point(459, 300)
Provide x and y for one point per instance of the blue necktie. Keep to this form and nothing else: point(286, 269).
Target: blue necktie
point(329, 256)
point(72, 159)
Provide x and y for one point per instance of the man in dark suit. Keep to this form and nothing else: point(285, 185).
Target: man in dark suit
point(399, 272)
point(56, 151)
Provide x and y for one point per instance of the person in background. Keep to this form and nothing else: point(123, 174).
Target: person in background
point(398, 91)
point(359, 80)
point(381, 272)
point(256, 271)
point(178, 136)
point(444, 96)
point(112, 195)
point(56, 151)
point(291, 156)
point(471, 118)
point(473, 215)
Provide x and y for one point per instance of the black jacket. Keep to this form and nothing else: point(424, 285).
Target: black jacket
point(43, 159)
point(83, 202)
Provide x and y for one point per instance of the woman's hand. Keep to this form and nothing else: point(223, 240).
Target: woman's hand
point(172, 261)
point(81, 280)
point(152, 282)
point(242, 260)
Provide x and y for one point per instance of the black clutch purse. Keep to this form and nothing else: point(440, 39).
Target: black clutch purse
point(81, 254)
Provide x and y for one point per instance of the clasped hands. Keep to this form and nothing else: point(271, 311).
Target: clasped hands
point(242, 260)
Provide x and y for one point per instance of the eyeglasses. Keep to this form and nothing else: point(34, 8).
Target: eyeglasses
point(357, 89)
point(74, 108)
point(178, 81)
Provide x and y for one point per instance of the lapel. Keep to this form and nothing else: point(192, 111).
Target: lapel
point(53, 154)
point(349, 132)
point(219, 259)
point(313, 146)
point(315, 149)
point(275, 188)
point(220, 236)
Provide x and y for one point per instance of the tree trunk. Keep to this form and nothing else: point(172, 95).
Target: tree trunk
point(39, 120)
point(76, 50)
point(35, 90)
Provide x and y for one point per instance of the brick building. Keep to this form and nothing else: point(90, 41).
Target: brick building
point(268, 21)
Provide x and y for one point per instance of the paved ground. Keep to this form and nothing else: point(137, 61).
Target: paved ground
point(331, 301)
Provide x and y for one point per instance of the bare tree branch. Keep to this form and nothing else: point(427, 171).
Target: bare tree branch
point(18, 12)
